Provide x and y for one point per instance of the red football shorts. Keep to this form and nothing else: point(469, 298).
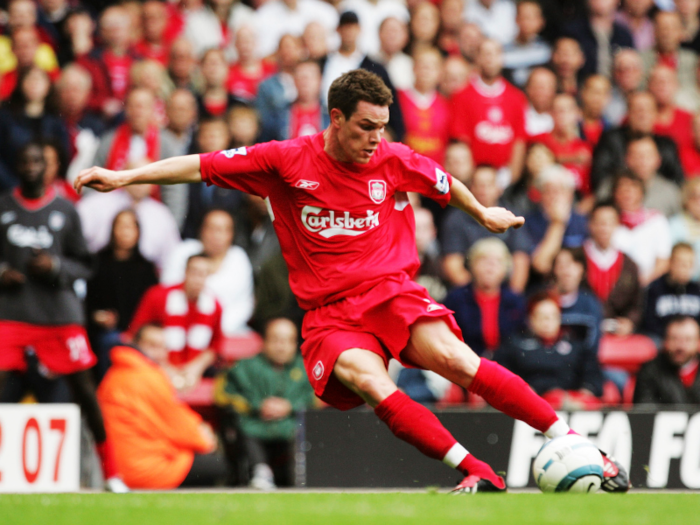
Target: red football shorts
point(378, 320)
point(62, 349)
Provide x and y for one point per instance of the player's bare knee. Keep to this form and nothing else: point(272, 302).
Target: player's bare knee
point(458, 360)
point(374, 387)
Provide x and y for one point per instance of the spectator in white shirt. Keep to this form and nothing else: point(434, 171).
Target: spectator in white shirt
point(213, 25)
point(496, 18)
point(393, 37)
point(371, 14)
point(540, 89)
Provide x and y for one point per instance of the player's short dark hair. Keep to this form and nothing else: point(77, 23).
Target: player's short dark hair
point(358, 85)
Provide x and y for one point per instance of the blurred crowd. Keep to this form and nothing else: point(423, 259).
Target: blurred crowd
point(583, 116)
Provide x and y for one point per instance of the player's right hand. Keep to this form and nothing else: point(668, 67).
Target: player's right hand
point(99, 179)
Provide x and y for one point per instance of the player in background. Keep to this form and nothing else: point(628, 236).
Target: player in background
point(42, 254)
point(339, 206)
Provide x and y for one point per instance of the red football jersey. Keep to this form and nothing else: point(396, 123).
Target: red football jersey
point(490, 119)
point(343, 227)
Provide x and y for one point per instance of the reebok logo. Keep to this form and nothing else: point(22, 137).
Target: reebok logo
point(331, 223)
point(433, 307)
point(306, 184)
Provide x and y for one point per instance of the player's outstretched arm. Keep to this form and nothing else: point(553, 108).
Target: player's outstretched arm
point(494, 219)
point(174, 170)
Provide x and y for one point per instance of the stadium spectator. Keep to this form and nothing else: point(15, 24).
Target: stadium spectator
point(429, 275)
point(470, 40)
point(231, 277)
point(459, 162)
point(599, 35)
point(122, 276)
point(487, 310)
point(595, 97)
point(153, 45)
point(496, 18)
point(79, 29)
point(540, 88)
point(159, 232)
point(628, 73)
point(314, 41)
point(52, 17)
point(277, 92)
point(422, 386)
point(256, 233)
point(43, 253)
point(191, 319)
point(528, 49)
point(671, 121)
point(609, 155)
point(243, 126)
point(424, 26)
point(214, 98)
point(426, 112)
point(685, 227)
point(643, 234)
point(304, 115)
point(267, 391)
point(672, 294)
point(349, 57)
point(25, 118)
point(634, 15)
point(524, 195)
point(672, 377)
point(25, 45)
point(450, 24)
point(567, 61)
point(690, 155)
point(181, 114)
point(249, 70)
point(689, 10)
point(488, 116)
point(612, 276)
point(668, 33)
point(160, 443)
point(393, 38)
point(151, 75)
point(563, 370)
point(371, 14)
point(212, 23)
point(182, 65)
point(460, 232)
point(554, 224)
point(455, 76)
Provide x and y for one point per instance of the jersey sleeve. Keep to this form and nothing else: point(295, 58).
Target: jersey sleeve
point(423, 175)
point(247, 169)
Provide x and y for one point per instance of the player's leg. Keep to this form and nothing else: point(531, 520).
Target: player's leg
point(364, 373)
point(83, 390)
point(435, 347)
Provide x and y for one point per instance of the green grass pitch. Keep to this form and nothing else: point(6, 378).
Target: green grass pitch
point(349, 508)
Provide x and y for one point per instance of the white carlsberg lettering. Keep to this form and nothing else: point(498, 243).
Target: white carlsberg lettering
point(493, 133)
point(329, 223)
point(29, 237)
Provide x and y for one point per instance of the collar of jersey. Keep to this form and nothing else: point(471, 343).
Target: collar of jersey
point(345, 166)
point(495, 90)
point(34, 204)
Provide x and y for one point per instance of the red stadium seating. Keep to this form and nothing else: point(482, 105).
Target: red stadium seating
point(241, 347)
point(201, 395)
point(628, 353)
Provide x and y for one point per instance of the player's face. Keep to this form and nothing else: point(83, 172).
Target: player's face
point(359, 136)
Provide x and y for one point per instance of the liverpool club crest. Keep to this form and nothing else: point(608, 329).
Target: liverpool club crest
point(377, 191)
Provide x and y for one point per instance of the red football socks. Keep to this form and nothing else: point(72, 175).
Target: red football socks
point(470, 466)
point(106, 454)
point(505, 391)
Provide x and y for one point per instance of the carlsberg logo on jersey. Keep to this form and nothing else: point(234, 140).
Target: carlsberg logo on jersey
point(328, 223)
point(29, 237)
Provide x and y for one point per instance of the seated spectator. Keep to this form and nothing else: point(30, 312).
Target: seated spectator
point(599, 34)
point(540, 88)
point(455, 76)
point(690, 155)
point(459, 162)
point(567, 61)
point(190, 316)
point(671, 121)
point(122, 276)
point(159, 232)
point(215, 99)
point(426, 112)
point(470, 40)
point(628, 73)
point(689, 10)
point(528, 50)
point(450, 24)
point(305, 116)
point(151, 75)
point(249, 70)
point(256, 233)
point(634, 15)
point(672, 377)
point(570, 151)
point(460, 232)
point(581, 312)
point(159, 442)
point(668, 35)
point(182, 65)
point(523, 196)
point(314, 41)
point(643, 234)
point(488, 116)
point(612, 276)
point(243, 126)
point(563, 370)
point(423, 26)
point(154, 20)
point(55, 174)
point(595, 96)
point(231, 278)
point(210, 24)
point(685, 227)
point(429, 274)
point(267, 391)
point(27, 118)
point(609, 155)
point(672, 294)
point(393, 39)
point(371, 15)
point(487, 310)
point(181, 115)
point(554, 224)
point(496, 18)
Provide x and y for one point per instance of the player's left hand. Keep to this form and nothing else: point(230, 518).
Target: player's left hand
point(41, 264)
point(498, 220)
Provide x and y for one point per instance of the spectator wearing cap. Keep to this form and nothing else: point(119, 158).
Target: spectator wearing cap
point(349, 57)
point(672, 377)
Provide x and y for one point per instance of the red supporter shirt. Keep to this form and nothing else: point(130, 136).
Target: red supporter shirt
point(592, 132)
point(575, 155)
point(190, 327)
point(118, 71)
point(426, 124)
point(243, 85)
point(304, 121)
point(489, 304)
point(680, 129)
point(490, 119)
point(150, 51)
point(690, 159)
point(343, 227)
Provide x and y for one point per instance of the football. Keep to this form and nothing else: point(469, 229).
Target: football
point(568, 464)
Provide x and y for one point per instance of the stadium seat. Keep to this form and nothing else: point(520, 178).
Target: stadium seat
point(241, 347)
point(628, 353)
point(201, 395)
point(611, 394)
